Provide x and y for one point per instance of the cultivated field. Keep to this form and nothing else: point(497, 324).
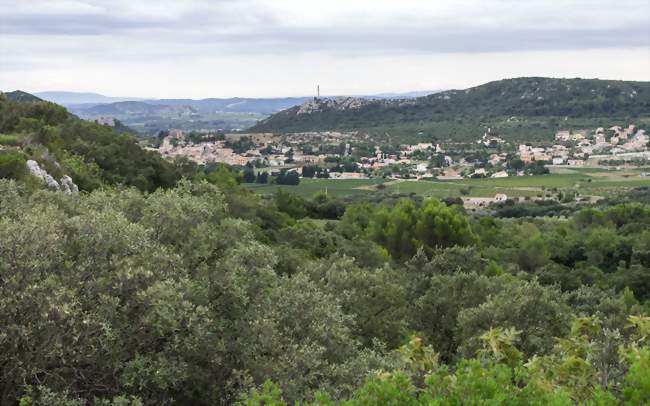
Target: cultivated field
point(587, 182)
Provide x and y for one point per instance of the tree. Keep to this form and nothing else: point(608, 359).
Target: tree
point(376, 298)
point(436, 310)
point(404, 228)
point(249, 175)
point(516, 164)
point(539, 312)
point(309, 171)
point(288, 178)
point(290, 203)
point(262, 177)
point(324, 207)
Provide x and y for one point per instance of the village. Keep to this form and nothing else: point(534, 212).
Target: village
point(355, 155)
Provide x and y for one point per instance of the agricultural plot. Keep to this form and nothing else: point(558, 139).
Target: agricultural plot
point(587, 182)
point(309, 187)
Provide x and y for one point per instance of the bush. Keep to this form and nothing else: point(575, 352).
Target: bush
point(13, 165)
point(11, 140)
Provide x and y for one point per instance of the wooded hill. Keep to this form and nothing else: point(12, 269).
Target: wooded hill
point(528, 97)
point(93, 155)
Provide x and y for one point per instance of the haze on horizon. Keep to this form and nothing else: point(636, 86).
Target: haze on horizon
point(257, 48)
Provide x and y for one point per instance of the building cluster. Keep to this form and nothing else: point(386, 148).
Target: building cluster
point(348, 155)
point(489, 140)
point(272, 150)
point(575, 148)
point(175, 145)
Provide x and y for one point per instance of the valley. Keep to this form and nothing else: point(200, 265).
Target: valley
point(193, 264)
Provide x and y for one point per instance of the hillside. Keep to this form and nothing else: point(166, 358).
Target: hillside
point(91, 154)
point(22, 97)
point(529, 97)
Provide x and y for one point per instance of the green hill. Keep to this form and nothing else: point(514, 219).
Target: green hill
point(22, 97)
point(524, 97)
point(64, 145)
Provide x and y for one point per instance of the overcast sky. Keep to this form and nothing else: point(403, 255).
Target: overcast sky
point(220, 48)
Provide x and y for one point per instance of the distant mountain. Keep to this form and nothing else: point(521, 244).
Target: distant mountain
point(235, 104)
point(86, 100)
point(21, 97)
point(260, 105)
point(510, 97)
point(135, 108)
point(70, 98)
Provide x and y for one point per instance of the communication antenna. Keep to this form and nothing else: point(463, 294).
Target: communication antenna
point(318, 91)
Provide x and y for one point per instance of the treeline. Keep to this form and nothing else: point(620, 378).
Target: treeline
point(208, 294)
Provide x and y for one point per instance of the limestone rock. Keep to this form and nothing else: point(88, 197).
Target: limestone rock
point(339, 103)
point(68, 186)
point(42, 174)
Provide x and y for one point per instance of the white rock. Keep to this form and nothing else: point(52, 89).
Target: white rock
point(42, 174)
point(339, 103)
point(68, 186)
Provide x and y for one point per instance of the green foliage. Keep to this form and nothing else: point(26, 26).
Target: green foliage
point(270, 394)
point(220, 175)
point(539, 312)
point(387, 389)
point(13, 165)
point(376, 298)
point(499, 346)
point(456, 114)
point(288, 178)
point(86, 175)
point(93, 154)
point(636, 388)
point(241, 145)
point(208, 294)
point(11, 140)
point(290, 204)
point(436, 311)
point(161, 296)
point(249, 175)
point(322, 206)
point(405, 228)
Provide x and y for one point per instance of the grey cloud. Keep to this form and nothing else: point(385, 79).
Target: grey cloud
point(432, 41)
point(253, 28)
point(43, 24)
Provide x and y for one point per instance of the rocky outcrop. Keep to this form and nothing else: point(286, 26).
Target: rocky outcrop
point(68, 186)
point(65, 185)
point(339, 103)
point(42, 174)
point(109, 121)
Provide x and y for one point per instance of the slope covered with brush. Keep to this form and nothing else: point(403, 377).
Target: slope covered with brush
point(528, 97)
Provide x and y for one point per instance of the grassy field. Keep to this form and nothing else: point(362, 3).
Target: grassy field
point(587, 182)
point(309, 187)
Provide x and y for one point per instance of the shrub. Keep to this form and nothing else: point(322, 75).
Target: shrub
point(13, 165)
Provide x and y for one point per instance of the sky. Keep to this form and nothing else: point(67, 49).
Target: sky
point(275, 48)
